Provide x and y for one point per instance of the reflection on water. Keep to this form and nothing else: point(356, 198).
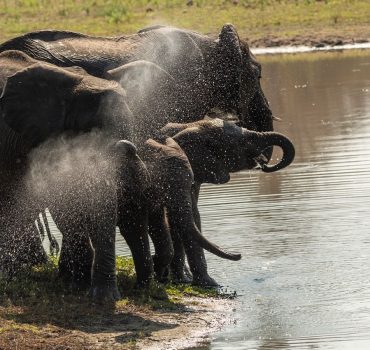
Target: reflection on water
point(304, 280)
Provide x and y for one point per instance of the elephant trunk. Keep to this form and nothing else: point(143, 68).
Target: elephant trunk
point(263, 140)
point(211, 247)
point(190, 234)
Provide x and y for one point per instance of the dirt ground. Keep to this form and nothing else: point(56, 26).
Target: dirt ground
point(127, 327)
point(312, 37)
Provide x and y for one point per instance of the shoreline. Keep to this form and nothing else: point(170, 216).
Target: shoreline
point(194, 326)
point(128, 327)
point(315, 41)
point(294, 49)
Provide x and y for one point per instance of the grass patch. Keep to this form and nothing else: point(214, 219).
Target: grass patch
point(37, 311)
point(254, 19)
point(41, 284)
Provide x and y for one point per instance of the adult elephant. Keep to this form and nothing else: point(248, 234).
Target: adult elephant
point(183, 155)
point(177, 75)
point(56, 129)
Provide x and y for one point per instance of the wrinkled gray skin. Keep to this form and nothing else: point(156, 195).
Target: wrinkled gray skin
point(181, 156)
point(48, 112)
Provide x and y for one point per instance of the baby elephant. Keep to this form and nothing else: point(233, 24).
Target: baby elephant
point(179, 159)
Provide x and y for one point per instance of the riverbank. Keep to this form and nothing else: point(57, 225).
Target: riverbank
point(37, 312)
point(263, 23)
point(129, 326)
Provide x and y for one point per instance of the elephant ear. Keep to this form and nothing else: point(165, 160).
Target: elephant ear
point(152, 94)
point(228, 67)
point(33, 101)
point(139, 74)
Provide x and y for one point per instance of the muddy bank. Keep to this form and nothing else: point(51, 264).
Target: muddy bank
point(128, 327)
point(191, 327)
point(39, 311)
point(312, 40)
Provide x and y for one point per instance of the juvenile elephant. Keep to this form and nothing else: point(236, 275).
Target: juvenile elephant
point(57, 127)
point(181, 156)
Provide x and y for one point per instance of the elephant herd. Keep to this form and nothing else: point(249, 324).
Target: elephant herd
point(122, 131)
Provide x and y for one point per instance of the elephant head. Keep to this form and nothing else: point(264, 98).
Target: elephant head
point(216, 147)
point(237, 75)
point(237, 89)
point(40, 100)
point(222, 74)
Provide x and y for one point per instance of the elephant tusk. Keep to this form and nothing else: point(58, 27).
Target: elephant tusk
point(261, 160)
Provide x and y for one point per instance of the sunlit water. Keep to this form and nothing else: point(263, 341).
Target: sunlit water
point(304, 280)
point(304, 232)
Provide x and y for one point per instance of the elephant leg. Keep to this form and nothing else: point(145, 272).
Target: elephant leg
point(195, 190)
point(20, 240)
point(161, 238)
point(198, 266)
point(75, 261)
point(195, 256)
point(104, 280)
point(103, 236)
point(33, 251)
point(133, 224)
point(25, 246)
point(183, 230)
point(179, 271)
point(179, 218)
point(76, 255)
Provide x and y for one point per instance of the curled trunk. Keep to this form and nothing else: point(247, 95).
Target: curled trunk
point(264, 140)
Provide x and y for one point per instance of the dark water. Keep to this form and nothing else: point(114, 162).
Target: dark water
point(304, 232)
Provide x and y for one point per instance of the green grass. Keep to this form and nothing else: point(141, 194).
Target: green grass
point(41, 283)
point(254, 18)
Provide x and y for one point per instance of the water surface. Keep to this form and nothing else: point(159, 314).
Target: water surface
point(304, 232)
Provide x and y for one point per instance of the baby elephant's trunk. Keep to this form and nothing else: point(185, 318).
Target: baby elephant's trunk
point(263, 140)
point(213, 248)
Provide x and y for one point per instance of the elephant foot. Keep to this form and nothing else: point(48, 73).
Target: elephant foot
point(105, 292)
point(181, 278)
point(181, 275)
point(161, 270)
point(162, 275)
point(205, 281)
point(143, 283)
